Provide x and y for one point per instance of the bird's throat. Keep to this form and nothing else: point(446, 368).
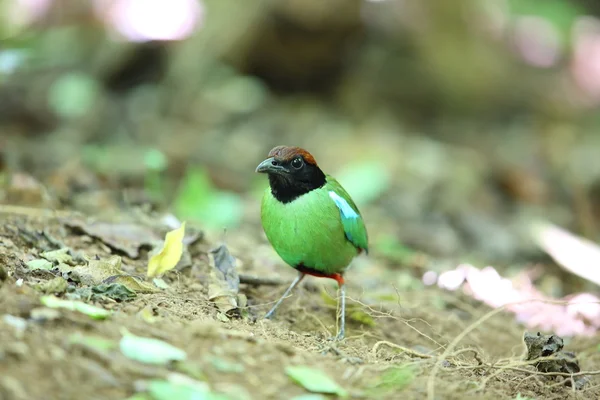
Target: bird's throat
point(287, 189)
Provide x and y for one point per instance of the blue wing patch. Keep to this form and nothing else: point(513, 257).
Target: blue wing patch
point(345, 208)
point(351, 220)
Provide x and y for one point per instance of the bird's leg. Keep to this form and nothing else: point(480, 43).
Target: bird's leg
point(287, 292)
point(342, 301)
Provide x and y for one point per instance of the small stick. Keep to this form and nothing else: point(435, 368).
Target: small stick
point(258, 281)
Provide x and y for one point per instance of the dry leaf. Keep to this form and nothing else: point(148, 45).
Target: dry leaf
point(170, 254)
point(225, 282)
point(97, 271)
point(109, 271)
point(132, 283)
point(124, 237)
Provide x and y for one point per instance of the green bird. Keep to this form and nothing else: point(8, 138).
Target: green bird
point(310, 220)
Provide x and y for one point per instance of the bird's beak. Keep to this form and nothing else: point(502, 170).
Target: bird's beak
point(270, 165)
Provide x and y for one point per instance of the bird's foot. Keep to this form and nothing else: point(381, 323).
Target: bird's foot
point(269, 315)
point(337, 338)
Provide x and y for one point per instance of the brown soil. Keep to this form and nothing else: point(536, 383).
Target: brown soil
point(41, 363)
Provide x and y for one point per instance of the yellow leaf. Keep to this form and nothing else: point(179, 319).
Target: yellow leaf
point(166, 259)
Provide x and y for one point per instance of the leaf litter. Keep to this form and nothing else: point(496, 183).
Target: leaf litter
point(224, 281)
point(167, 256)
point(186, 320)
point(124, 237)
point(87, 309)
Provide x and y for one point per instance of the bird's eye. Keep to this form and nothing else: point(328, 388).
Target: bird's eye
point(297, 163)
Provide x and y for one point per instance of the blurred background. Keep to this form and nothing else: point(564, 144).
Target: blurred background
point(454, 125)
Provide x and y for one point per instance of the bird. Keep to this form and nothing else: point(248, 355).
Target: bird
point(310, 220)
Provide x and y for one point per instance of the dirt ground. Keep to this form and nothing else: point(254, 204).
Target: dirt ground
point(415, 344)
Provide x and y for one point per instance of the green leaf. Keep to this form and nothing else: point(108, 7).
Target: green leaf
point(56, 286)
point(160, 283)
point(197, 199)
point(314, 380)
point(190, 369)
point(165, 390)
point(562, 14)
point(149, 350)
point(392, 248)
point(225, 366)
point(155, 160)
point(140, 396)
point(89, 310)
point(362, 317)
point(58, 256)
point(365, 182)
point(309, 397)
point(72, 95)
point(394, 379)
point(39, 263)
point(93, 342)
point(115, 291)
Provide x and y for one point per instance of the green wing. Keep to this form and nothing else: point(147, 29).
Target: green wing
point(352, 221)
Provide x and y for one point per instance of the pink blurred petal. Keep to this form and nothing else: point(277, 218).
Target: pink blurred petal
point(430, 278)
point(453, 279)
point(575, 254)
point(144, 20)
point(585, 65)
point(537, 41)
point(27, 11)
point(578, 316)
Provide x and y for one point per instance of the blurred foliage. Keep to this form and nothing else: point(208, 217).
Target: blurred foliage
point(199, 200)
point(457, 122)
point(393, 380)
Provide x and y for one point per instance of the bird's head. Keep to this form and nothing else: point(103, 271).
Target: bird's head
point(292, 169)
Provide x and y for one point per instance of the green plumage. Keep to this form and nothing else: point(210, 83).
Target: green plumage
point(321, 230)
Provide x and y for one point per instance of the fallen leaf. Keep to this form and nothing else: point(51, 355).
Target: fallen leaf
point(392, 380)
point(87, 309)
point(181, 387)
point(124, 237)
point(39, 263)
point(58, 256)
point(160, 283)
point(140, 396)
point(43, 314)
point(57, 286)
point(97, 343)
point(96, 271)
point(149, 350)
point(147, 315)
point(132, 283)
point(224, 280)
point(353, 311)
point(362, 317)
point(314, 380)
point(18, 323)
point(191, 369)
point(225, 366)
point(169, 255)
point(115, 291)
point(309, 397)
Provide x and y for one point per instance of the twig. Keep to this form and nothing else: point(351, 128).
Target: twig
point(446, 353)
point(398, 347)
point(259, 281)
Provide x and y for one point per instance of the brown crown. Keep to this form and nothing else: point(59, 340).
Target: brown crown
point(286, 153)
